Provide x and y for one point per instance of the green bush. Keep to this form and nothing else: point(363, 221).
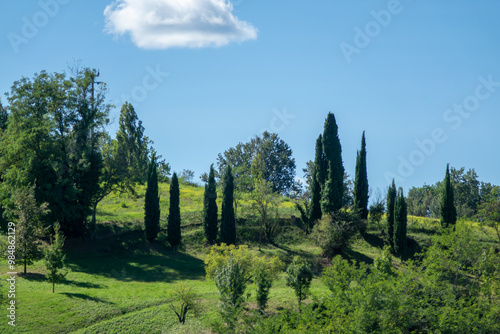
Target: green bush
point(334, 232)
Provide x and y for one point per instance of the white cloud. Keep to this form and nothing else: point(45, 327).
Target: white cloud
point(162, 24)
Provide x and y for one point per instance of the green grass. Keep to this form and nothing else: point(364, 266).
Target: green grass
point(119, 283)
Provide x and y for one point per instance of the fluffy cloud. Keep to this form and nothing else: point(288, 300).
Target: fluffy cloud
point(162, 24)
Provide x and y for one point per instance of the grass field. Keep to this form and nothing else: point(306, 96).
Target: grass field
point(120, 284)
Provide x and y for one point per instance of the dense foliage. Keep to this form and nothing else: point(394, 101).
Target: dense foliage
point(228, 221)
point(210, 208)
point(333, 190)
point(448, 210)
point(174, 215)
point(152, 203)
point(361, 182)
point(279, 168)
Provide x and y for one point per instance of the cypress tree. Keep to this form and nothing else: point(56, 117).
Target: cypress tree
point(210, 208)
point(174, 215)
point(315, 207)
point(228, 224)
point(333, 191)
point(448, 209)
point(400, 221)
point(152, 202)
point(391, 201)
point(361, 182)
point(320, 162)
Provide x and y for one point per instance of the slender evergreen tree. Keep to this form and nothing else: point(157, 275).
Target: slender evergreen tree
point(391, 201)
point(228, 223)
point(174, 215)
point(320, 162)
point(54, 258)
point(448, 209)
point(210, 208)
point(152, 202)
point(361, 182)
point(400, 221)
point(333, 191)
point(315, 207)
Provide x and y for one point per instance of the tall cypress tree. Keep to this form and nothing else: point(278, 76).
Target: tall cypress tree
point(210, 208)
point(333, 191)
point(315, 207)
point(228, 223)
point(152, 202)
point(448, 209)
point(320, 162)
point(361, 182)
point(174, 215)
point(391, 201)
point(400, 221)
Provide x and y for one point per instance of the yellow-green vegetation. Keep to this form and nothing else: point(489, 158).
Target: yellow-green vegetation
point(119, 283)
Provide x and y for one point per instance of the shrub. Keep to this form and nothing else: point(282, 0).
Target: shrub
point(333, 232)
point(184, 299)
point(299, 277)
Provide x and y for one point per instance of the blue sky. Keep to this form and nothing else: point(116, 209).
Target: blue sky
point(422, 78)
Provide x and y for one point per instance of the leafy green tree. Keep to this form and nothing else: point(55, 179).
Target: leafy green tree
point(466, 191)
point(174, 215)
point(228, 223)
point(489, 214)
point(377, 208)
point(390, 214)
point(210, 208)
point(400, 221)
point(316, 183)
point(361, 182)
point(299, 277)
point(264, 200)
point(448, 210)
point(4, 118)
point(279, 163)
point(132, 147)
point(231, 284)
point(28, 228)
point(183, 300)
point(333, 191)
point(152, 203)
point(54, 258)
point(53, 140)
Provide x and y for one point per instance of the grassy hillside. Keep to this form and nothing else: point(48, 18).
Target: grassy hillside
point(119, 283)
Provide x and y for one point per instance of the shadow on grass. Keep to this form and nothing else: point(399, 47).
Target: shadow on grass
point(82, 284)
point(159, 266)
point(85, 297)
point(350, 255)
point(374, 240)
point(37, 277)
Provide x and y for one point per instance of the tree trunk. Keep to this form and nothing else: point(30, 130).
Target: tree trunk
point(25, 264)
point(53, 286)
